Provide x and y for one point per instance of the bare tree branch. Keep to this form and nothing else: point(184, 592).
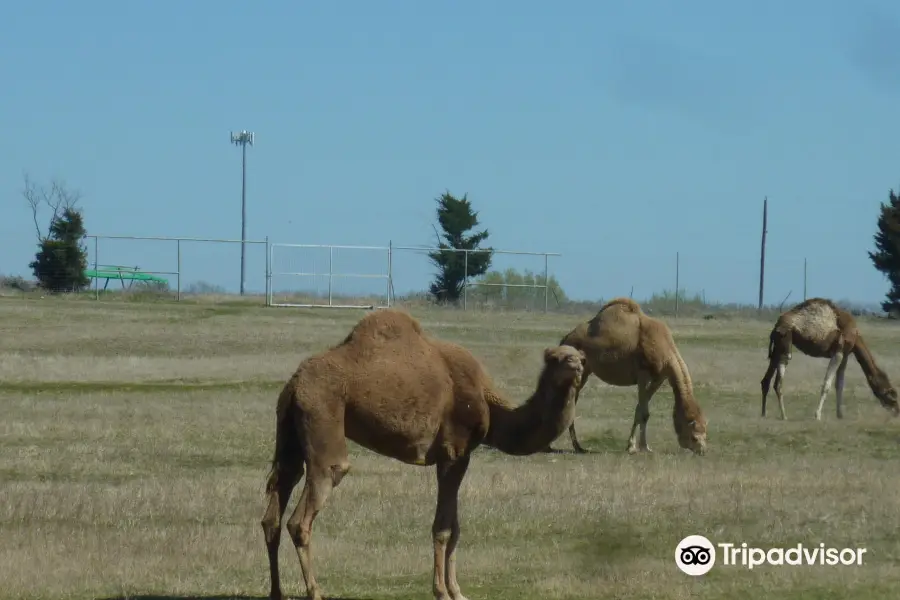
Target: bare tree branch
point(781, 306)
point(437, 235)
point(31, 196)
point(58, 198)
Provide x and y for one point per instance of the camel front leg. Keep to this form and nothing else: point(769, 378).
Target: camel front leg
point(833, 365)
point(572, 436)
point(646, 388)
point(839, 386)
point(445, 529)
point(652, 388)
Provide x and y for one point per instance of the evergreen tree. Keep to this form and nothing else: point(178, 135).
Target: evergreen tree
point(886, 258)
point(61, 259)
point(456, 218)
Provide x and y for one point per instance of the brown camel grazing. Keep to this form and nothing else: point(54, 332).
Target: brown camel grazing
point(401, 393)
point(821, 329)
point(625, 347)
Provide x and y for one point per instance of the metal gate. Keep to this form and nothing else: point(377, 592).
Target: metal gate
point(330, 276)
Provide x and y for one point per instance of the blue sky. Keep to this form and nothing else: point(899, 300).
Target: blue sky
point(614, 133)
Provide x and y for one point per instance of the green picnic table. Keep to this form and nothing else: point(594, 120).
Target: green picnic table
point(123, 274)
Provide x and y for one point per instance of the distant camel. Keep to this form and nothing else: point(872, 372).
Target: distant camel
point(401, 393)
point(625, 347)
point(821, 329)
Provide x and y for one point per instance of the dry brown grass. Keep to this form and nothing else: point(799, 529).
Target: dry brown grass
point(135, 441)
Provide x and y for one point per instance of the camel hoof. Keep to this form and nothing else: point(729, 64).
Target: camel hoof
point(580, 449)
point(631, 449)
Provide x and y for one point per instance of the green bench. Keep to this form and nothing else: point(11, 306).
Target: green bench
point(123, 274)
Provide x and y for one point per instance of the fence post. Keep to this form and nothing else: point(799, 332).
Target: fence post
point(390, 277)
point(178, 268)
point(96, 259)
point(268, 300)
point(546, 282)
point(676, 283)
point(270, 255)
point(330, 271)
point(466, 280)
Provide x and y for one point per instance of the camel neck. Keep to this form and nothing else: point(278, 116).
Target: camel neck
point(866, 360)
point(532, 426)
point(682, 390)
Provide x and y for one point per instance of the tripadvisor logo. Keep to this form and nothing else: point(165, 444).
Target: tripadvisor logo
point(696, 555)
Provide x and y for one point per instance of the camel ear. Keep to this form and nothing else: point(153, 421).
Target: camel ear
point(550, 355)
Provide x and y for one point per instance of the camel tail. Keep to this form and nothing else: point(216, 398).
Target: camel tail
point(288, 443)
point(771, 343)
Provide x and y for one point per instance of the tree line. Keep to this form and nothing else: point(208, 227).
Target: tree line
point(462, 262)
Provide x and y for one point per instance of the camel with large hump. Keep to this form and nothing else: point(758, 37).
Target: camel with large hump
point(397, 391)
point(624, 347)
point(821, 329)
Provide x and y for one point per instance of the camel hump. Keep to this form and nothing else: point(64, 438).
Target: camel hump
point(383, 326)
point(622, 303)
point(814, 320)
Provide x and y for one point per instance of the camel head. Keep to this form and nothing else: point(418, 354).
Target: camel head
point(691, 433)
point(885, 392)
point(564, 365)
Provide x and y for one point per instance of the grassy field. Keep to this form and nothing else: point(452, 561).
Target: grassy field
point(135, 439)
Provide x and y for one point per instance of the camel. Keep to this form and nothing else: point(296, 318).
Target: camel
point(821, 329)
point(395, 390)
point(625, 347)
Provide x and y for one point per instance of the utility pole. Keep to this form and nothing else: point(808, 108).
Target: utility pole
point(804, 278)
point(762, 253)
point(242, 139)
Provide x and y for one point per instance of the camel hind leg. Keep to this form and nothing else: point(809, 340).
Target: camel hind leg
point(779, 356)
point(287, 470)
point(779, 388)
point(282, 482)
point(766, 382)
point(327, 464)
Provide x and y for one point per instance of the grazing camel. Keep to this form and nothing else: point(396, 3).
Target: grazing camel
point(821, 329)
point(625, 347)
point(401, 393)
